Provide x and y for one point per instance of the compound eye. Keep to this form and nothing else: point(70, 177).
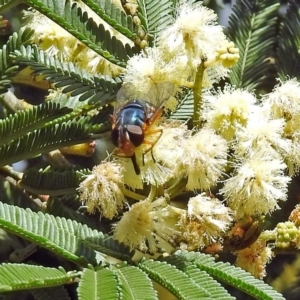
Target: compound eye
point(136, 135)
point(115, 136)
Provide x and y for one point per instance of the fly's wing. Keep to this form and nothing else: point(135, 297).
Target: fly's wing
point(124, 95)
point(160, 93)
point(157, 95)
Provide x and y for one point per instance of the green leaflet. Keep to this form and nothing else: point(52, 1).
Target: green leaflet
point(21, 276)
point(78, 82)
point(155, 15)
point(38, 141)
point(231, 275)
point(174, 280)
point(27, 120)
point(135, 284)
point(287, 52)
point(111, 14)
point(101, 284)
point(252, 27)
point(16, 41)
point(77, 23)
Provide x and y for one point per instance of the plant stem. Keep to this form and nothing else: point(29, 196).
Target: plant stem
point(177, 188)
point(198, 94)
point(133, 195)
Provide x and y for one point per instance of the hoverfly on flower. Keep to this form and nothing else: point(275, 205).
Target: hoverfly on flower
point(133, 116)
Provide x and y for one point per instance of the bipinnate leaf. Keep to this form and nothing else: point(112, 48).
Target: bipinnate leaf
point(21, 276)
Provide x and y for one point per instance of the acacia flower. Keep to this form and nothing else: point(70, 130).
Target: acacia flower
point(205, 221)
point(195, 33)
point(260, 133)
point(254, 258)
point(258, 183)
point(143, 224)
point(204, 160)
point(150, 67)
point(102, 190)
point(225, 111)
point(284, 100)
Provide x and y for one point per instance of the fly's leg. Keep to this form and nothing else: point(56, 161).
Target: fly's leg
point(135, 164)
point(151, 143)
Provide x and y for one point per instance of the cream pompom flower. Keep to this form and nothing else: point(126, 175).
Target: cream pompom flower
point(102, 190)
point(194, 33)
point(150, 67)
point(204, 160)
point(143, 225)
point(258, 183)
point(261, 133)
point(284, 100)
point(204, 222)
point(227, 110)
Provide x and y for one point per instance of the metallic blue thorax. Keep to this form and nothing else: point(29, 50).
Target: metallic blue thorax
point(133, 113)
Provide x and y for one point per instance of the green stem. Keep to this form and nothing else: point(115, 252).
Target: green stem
point(133, 195)
point(152, 193)
point(198, 94)
point(35, 191)
point(177, 188)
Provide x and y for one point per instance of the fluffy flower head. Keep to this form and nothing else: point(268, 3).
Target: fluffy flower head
point(284, 100)
point(226, 111)
point(194, 33)
point(258, 184)
point(150, 67)
point(142, 224)
point(206, 219)
point(261, 133)
point(102, 190)
point(204, 159)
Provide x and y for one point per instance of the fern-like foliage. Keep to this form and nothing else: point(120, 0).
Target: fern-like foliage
point(37, 142)
point(24, 121)
point(69, 207)
point(287, 54)
point(184, 110)
point(51, 182)
point(252, 26)
point(174, 280)
point(225, 272)
point(100, 284)
point(111, 14)
point(20, 276)
point(78, 112)
point(67, 238)
point(76, 22)
point(155, 15)
point(7, 68)
point(76, 81)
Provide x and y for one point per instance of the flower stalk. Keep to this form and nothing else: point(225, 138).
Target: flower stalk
point(197, 90)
